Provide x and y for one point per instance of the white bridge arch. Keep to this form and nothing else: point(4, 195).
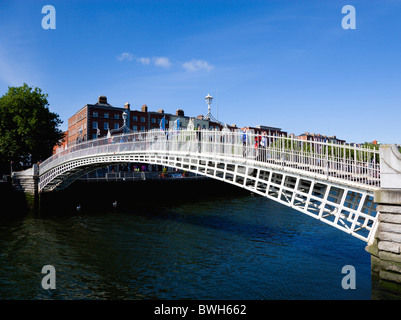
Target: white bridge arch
point(331, 182)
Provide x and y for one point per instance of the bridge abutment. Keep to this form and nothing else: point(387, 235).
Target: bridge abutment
point(27, 182)
point(385, 248)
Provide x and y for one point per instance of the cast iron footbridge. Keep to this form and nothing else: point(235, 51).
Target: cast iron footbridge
point(333, 183)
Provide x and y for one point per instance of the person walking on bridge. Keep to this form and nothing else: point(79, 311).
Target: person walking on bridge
point(199, 137)
point(244, 138)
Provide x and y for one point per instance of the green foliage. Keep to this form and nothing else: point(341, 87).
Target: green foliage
point(27, 127)
point(370, 145)
point(329, 150)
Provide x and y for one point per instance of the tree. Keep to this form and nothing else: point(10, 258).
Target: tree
point(28, 130)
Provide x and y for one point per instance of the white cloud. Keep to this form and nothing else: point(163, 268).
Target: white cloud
point(192, 66)
point(143, 61)
point(162, 62)
point(125, 56)
point(157, 61)
point(196, 65)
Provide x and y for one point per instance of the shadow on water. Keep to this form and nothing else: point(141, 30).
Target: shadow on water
point(13, 204)
point(139, 196)
point(160, 200)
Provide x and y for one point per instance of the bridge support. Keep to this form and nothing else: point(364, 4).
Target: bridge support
point(385, 248)
point(27, 182)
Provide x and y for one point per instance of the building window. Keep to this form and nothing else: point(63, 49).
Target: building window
point(135, 118)
point(106, 126)
point(116, 116)
point(94, 125)
point(142, 119)
point(106, 115)
point(116, 126)
point(153, 120)
point(134, 128)
point(95, 114)
point(94, 136)
point(142, 128)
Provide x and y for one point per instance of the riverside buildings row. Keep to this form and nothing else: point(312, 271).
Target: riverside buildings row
point(98, 119)
point(95, 121)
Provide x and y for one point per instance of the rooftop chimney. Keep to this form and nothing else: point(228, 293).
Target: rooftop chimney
point(160, 111)
point(102, 100)
point(144, 108)
point(179, 112)
point(127, 106)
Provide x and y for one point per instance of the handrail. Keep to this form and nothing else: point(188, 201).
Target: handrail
point(351, 163)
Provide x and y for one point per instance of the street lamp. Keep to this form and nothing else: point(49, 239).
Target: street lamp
point(124, 128)
point(124, 118)
point(209, 115)
point(208, 99)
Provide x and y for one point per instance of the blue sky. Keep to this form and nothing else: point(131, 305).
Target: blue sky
point(286, 64)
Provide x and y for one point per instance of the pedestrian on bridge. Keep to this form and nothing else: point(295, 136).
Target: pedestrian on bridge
point(199, 137)
point(244, 139)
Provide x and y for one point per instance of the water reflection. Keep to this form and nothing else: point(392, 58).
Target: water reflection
point(224, 247)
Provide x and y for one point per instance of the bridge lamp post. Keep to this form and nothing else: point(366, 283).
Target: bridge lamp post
point(208, 99)
point(209, 115)
point(124, 115)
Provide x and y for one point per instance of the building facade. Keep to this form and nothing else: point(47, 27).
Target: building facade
point(266, 129)
point(62, 144)
point(320, 138)
point(95, 120)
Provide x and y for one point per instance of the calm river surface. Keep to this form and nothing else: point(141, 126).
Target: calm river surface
point(236, 246)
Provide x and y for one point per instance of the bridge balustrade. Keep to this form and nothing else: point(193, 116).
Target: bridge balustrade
point(345, 162)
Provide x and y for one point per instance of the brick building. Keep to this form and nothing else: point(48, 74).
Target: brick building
point(320, 138)
point(95, 120)
point(62, 144)
point(268, 130)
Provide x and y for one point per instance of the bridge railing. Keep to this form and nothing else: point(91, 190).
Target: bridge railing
point(352, 163)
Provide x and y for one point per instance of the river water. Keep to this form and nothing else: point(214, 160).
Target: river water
point(213, 245)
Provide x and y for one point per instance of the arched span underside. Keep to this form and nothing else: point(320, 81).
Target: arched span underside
point(349, 208)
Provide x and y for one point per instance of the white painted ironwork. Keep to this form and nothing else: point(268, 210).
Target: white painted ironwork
point(330, 182)
point(191, 125)
point(209, 115)
point(123, 129)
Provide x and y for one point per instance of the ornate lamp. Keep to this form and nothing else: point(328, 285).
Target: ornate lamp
point(208, 99)
point(209, 115)
point(124, 128)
